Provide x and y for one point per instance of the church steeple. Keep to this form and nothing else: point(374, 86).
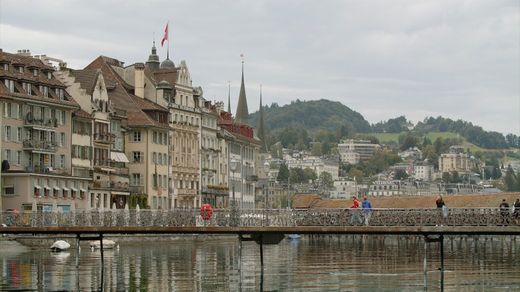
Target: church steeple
point(242, 112)
point(229, 97)
point(153, 60)
point(261, 129)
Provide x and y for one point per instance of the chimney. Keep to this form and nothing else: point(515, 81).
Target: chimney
point(139, 79)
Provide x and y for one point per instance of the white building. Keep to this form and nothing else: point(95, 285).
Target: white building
point(354, 151)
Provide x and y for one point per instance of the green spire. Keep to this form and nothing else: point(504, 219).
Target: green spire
point(242, 112)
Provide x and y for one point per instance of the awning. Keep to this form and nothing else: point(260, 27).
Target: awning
point(66, 189)
point(83, 190)
point(37, 187)
point(74, 189)
point(56, 188)
point(107, 169)
point(47, 188)
point(119, 157)
point(120, 193)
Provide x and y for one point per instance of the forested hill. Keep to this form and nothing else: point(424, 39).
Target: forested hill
point(311, 115)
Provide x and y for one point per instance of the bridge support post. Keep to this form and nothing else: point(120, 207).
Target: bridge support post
point(425, 265)
point(101, 247)
point(261, 253)
point(441, 239)
point(77, 250)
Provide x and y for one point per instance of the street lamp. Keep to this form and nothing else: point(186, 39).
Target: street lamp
point(266, 170)
point(234, 210)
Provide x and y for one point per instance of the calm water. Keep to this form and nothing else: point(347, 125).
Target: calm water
point(319, 264)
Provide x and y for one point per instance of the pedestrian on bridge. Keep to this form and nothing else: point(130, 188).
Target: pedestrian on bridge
point(516, 210)
point(504, 211)
point(367, 209)
point(355, 219)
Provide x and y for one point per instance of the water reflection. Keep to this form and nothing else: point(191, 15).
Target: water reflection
point(311, 263)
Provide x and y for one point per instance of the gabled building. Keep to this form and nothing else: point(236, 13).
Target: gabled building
point(36, 137)
point(170, 87)
point(98, 138)
point(146, 136)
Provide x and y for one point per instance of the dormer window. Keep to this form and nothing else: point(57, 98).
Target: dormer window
point(6, 66)
point(20, 69)
point(9, 84)
point(59, 93)
point(49, 75)
point(35, 72)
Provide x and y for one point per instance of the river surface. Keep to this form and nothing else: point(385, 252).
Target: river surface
point(327, 263)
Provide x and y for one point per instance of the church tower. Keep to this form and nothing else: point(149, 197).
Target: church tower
point(261, 129)
point(153, 59)
point(242, 112)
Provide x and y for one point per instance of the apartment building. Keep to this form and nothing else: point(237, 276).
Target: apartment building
point(98, 138)
point(36, 137)
point(353, 151)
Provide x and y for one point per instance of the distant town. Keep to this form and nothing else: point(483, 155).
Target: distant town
point(114, 136)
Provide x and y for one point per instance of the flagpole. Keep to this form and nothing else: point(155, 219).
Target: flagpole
point(168, 39)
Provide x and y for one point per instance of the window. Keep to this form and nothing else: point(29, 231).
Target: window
point(7, 110)
point(137, 136)
point(20, 69)
point(49, 75)
point(19, 157)
point(9, 190)
point(62, 139)
point(138, 157)
point(154, 137)
point(59, 93)
point(6, 67)
point(7, 131)
point(63, 117)
point(19, 134)
point(8, 155)
point(35, 72)
point(9, 84)
point(136, 179)
point(154, 157)
point(27, 87)
point(62, 161)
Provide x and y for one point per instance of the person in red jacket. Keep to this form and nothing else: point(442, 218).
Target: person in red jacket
point(355, 219)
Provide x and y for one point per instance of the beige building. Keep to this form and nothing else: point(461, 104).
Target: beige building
point(456, 160)
point(171, 87)
point(98, 138)
point(37, 137)
point(353, 151)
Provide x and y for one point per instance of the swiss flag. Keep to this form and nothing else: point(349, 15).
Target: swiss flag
point(165, 37)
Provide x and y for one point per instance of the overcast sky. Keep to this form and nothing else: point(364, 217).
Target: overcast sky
point(458, 59)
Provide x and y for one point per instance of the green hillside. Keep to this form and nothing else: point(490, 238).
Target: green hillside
point(394, 138)
point(312, 115)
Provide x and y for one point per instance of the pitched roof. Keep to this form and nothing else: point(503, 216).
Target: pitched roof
point(242, 111)
point(122, 96)
point(27, 76)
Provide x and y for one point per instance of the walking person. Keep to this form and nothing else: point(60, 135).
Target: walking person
point(504, 212)
point(443, 208)
point(367, 209)
point(355, 219)
point(516, 210)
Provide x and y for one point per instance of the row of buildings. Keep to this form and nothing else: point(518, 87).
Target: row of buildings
point(110, 136)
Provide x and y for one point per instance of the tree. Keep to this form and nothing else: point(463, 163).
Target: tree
point(310, 174)
point(510, 179)
point(408, 141)
point(297, 175)
point(326, 180)
point(354, 172)
point(283, 173)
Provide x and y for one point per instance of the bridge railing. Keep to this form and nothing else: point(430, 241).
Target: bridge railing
point(261, 217)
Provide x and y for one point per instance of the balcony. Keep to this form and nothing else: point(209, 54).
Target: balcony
point(111, 166)
point(44, 146)
point(113, 185)
point(215, 190)
point(136, 189)
point(47, 170)
point(186, 192)
point(43, 123)
point(105, 138)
